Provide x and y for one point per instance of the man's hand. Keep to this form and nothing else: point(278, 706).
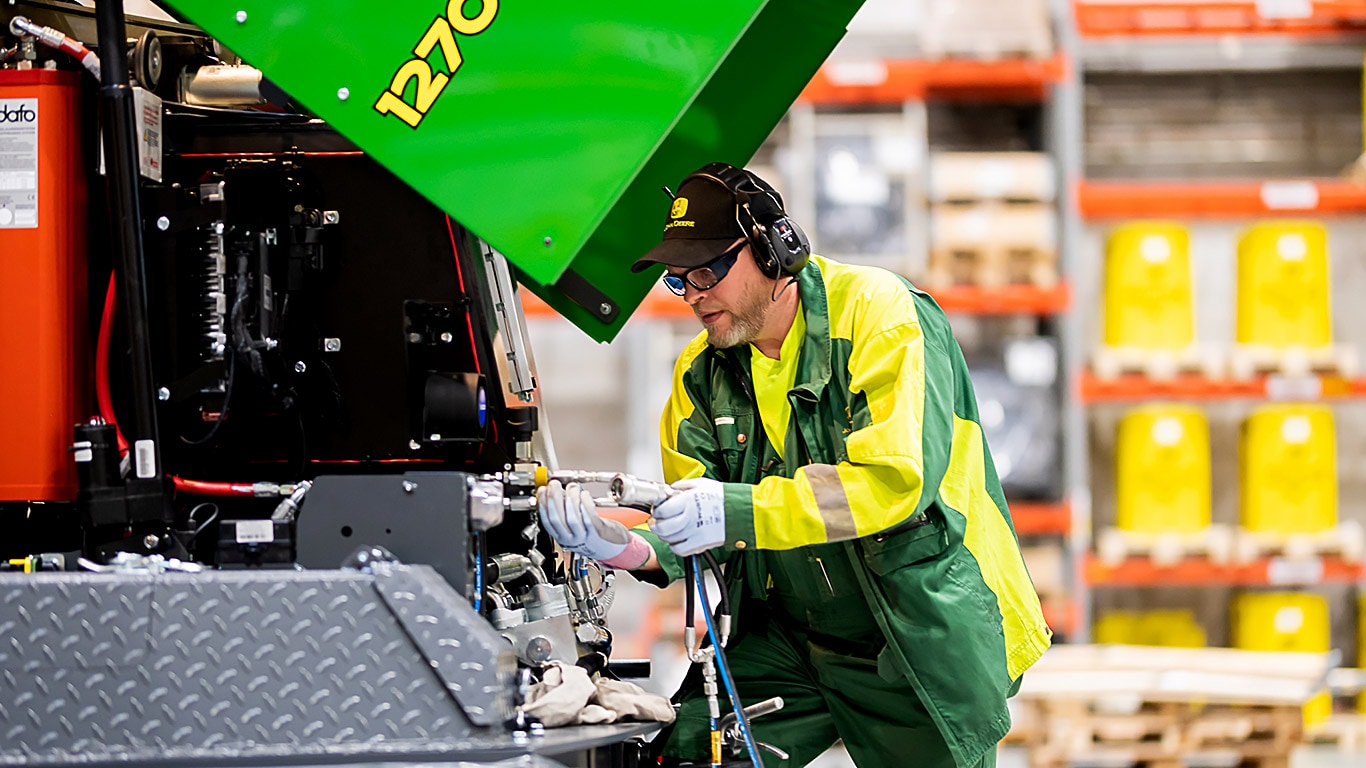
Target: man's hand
point(570, 516)
point(693, 520)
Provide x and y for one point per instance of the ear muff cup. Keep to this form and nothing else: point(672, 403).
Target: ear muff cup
point(779, 244)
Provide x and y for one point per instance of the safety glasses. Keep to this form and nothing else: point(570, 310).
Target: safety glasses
point(706, 277)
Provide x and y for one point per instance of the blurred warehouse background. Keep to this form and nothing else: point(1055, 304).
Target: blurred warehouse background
point(1147, 222)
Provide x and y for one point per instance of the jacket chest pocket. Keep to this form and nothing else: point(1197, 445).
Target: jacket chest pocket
point(735, 436)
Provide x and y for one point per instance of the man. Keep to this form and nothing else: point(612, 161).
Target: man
point(822, 435)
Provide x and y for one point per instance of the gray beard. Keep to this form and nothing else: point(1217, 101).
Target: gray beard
point(746, 323)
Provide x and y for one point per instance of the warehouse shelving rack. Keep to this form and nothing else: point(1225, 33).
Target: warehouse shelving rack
point(1200, 37)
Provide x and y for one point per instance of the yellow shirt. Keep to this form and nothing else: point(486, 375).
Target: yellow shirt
point(773, 379)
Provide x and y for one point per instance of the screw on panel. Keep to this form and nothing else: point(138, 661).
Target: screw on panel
point(241, 17)
point(331, 345)
point(163, 223)
point(415, 337)
point(548, 241)
point(446, 336)
point(414, 445)
point(300, 367)
point(343, 93)
point(163, 394)
point(605, 308)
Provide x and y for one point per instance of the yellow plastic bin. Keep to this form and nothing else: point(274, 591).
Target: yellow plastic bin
point(1283, 290)
point(1175, 628)
point(1163, 473)
point(1148, 295)
point(1289, 470)
point(1285, 621)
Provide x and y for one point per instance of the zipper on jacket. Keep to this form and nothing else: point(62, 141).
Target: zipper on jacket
point(922, 522)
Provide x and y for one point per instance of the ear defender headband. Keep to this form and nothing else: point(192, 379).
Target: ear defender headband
point(780, 246)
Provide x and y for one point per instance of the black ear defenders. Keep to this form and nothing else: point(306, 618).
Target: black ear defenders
point(779, 244)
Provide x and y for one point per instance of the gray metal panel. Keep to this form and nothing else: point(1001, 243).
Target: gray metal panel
point(476, 664)
point(421, 517)
point(82, 622)
point(232, 665)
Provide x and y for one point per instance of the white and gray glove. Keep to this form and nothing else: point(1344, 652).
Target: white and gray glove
point(693, 520)
point(571, 518)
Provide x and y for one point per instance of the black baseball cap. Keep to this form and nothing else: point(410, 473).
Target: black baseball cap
point(701, 224)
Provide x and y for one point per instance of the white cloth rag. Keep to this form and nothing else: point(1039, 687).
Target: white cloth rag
point(566, 696)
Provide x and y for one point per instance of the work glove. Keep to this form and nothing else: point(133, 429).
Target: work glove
point(693, 520)
point(572, 519)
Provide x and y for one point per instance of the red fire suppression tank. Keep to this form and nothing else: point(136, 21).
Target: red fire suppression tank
point(44, 339)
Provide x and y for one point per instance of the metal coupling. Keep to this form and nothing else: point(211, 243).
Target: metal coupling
point(631, 491)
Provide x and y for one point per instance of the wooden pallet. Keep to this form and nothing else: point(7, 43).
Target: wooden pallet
point(1347, 540)
point(972, 177)
point(1165, 734)
point(1346, 730)
point(991, 243)
point(1166, 707)
point(1109, 363)
point(1248, 361)
point(1216, 543)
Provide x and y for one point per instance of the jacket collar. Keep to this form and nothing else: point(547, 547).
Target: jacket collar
point(813, 362)
point(813, 367)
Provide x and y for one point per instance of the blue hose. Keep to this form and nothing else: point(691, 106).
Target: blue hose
point(725, 669)
point(478, 573)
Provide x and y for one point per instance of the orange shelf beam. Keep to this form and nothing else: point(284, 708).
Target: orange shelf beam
point(1006, 300)
point(1195, 572)
point(893, 81)
point(1216, 199)
point(1132, 387)
point(657, 304)
point(1040, 519)
point(1211, 17)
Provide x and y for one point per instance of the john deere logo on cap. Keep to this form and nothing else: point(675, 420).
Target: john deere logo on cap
point(680, 208)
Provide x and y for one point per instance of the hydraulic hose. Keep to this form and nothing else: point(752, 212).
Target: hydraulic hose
point(20, 25)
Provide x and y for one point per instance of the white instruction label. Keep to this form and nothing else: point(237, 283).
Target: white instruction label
point(255, 531)
point(18, 163)
point(145, 458)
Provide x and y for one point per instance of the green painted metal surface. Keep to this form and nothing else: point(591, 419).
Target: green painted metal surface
point(545, 126)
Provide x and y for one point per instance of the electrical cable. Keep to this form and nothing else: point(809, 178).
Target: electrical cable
point(200, 528)
point(724, 667)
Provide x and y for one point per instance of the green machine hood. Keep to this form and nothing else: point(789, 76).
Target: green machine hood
point(544, 126)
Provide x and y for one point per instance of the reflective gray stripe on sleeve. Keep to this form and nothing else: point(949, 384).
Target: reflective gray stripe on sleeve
point(831, 501)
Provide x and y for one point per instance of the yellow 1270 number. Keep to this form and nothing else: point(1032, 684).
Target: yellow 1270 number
point(430, 83)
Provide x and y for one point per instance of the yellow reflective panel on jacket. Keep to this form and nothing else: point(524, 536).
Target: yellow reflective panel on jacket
point(992, 543)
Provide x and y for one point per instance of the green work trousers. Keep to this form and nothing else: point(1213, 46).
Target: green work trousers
point(826, 696)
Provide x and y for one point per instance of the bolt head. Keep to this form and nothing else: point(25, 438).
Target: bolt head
point(332, 345)
point(300, 367)
point(446, 336)
point(548, 241)
point(163, 394)
point(343, 93)
point(413, 445)
point(605, 308)
point(409, 486)
point(241, 17)
point(415, 337)
point(151, 541)
point(163, 223)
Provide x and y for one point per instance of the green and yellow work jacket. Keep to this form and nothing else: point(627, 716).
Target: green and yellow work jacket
point(884, 453)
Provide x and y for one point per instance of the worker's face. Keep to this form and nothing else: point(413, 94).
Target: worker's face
point(733, 311)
